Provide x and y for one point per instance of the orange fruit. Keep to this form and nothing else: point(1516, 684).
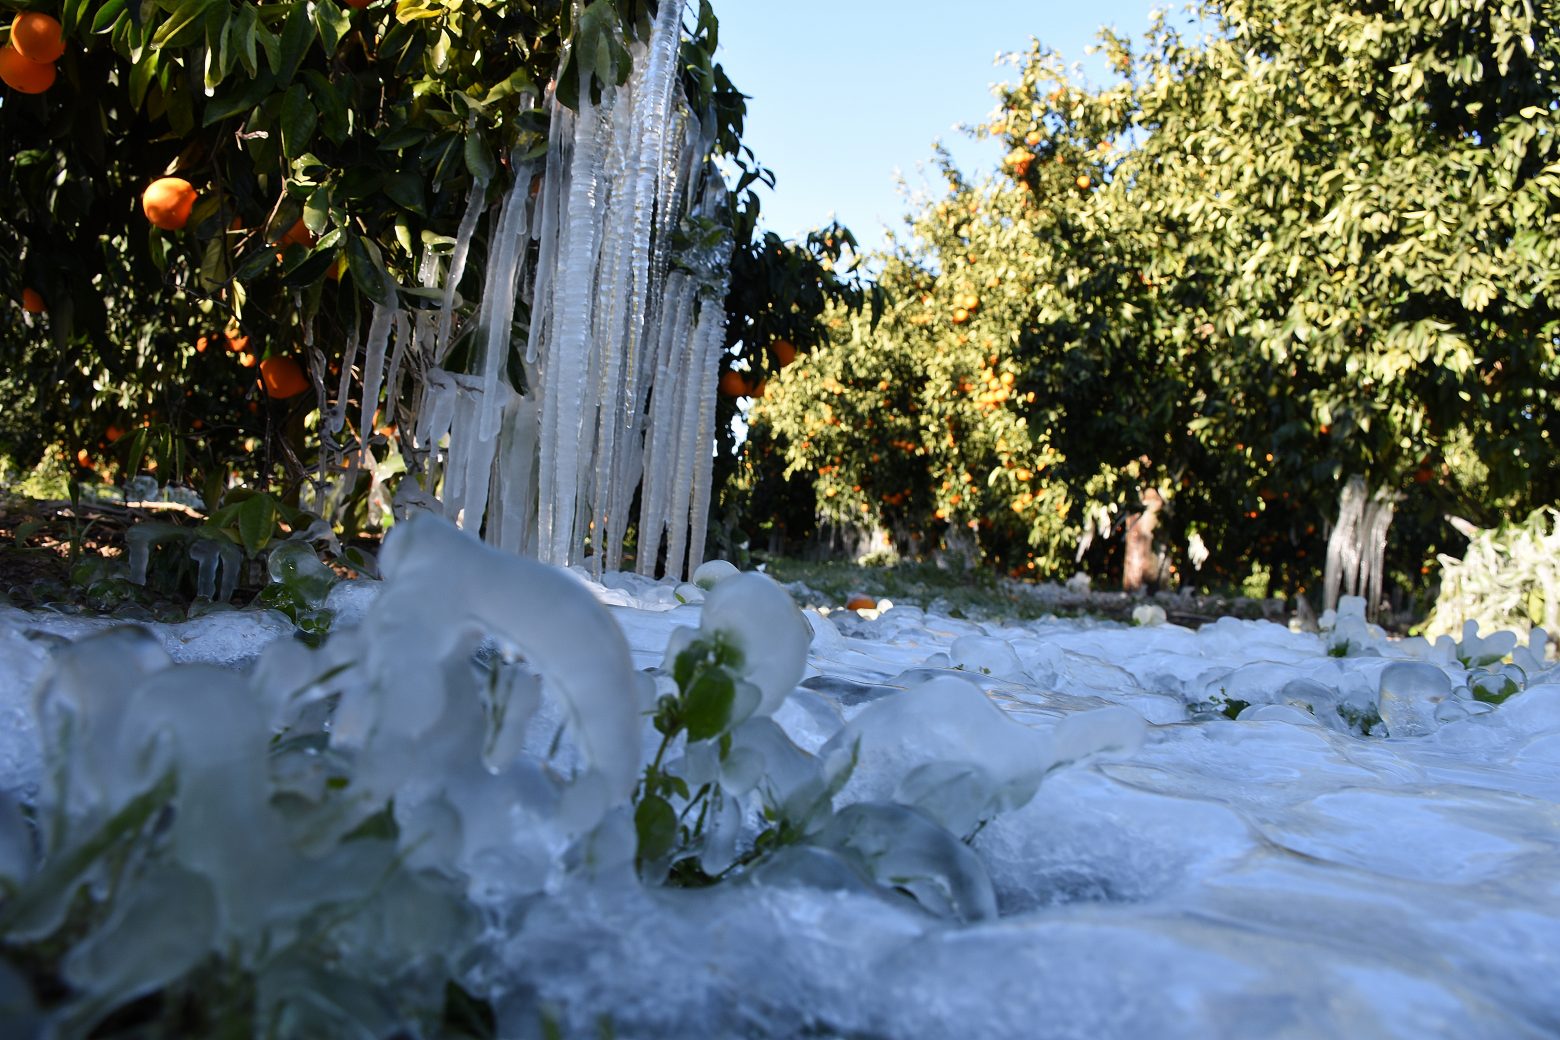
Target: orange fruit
point(167, 202)
point(37, 37)
point(861, 603)
point(113, 433)
point(785, 351)
point(283, 377)
point(735, 384)
point(297, 235)
point(235, 342)
point(32, 302)
point(201, 345)
point(960, 315)
point(24, 75)
point(1083, 182)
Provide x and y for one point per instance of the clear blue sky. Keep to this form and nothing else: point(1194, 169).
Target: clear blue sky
point(848, 95)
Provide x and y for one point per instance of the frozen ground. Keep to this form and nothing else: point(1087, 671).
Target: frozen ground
point(1280, 874)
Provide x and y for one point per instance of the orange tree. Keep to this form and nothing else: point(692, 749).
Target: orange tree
point(327, 144)
point(1314, 243)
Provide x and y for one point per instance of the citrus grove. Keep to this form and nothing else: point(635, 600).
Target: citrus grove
point(195, 175)
point(1311, 243)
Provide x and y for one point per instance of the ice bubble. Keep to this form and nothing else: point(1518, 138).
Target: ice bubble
point(987, 656)
point(1408, 697)
point(1147, 614)
point(712, 572)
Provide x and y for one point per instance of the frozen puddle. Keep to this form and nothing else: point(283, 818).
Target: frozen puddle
point(1187, 875)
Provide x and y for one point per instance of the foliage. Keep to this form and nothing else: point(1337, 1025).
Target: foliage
point(1310, 243)
point(1507, 579)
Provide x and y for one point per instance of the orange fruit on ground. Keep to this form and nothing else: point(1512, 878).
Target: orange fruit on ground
point(167, 202)
point(32, 302)
point(23, 75)
point(861, 603)
point(282, 377)
point(785, 351)
point(37, 37)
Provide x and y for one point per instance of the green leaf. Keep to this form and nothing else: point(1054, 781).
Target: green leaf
point(331, 23)
point(479, 158)
point(297, 37)
point(367, 266)
point(655, 822)
point(107, 16)
point(298, 121)
point(184, 26)
point(256, 523)
point(707, 710)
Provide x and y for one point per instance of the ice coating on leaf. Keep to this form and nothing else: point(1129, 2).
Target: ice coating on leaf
point(897, 846)
point(296, 565)
point(436, 576)
point(712, 572)
point(761, 620)
point(158, 931)
point(948, 723)
point(1408, 697)
point(987, 656)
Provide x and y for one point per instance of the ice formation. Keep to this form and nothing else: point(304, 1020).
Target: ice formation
point(1366, 848)
point(586, 375)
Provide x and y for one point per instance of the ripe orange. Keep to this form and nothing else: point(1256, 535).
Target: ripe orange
point(113, 433)
point(1083, 182)
point(960, 315)
point(23, 75)
point(785, 351)
point(201, 344)
point(969, 301)
point(733, 384)
point(236, 342)
point(167, 202)
point(861, 603)
point(32, 302)
point(1032, 138)
point(37, 37)
point(297, 235)
point(283, 377)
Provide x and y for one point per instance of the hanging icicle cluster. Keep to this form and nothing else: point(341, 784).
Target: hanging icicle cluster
point(1357, 547)
point(541, 446)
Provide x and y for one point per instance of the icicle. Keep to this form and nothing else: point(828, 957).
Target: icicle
point(661, 428)
point(496, 316)
point(568, 360)
point(373, 370)
point(332, 422)
point(468, 226)
point(1343, 560)
point(560, 151)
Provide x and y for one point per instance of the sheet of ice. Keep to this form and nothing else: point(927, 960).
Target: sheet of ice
point(1281, 874)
